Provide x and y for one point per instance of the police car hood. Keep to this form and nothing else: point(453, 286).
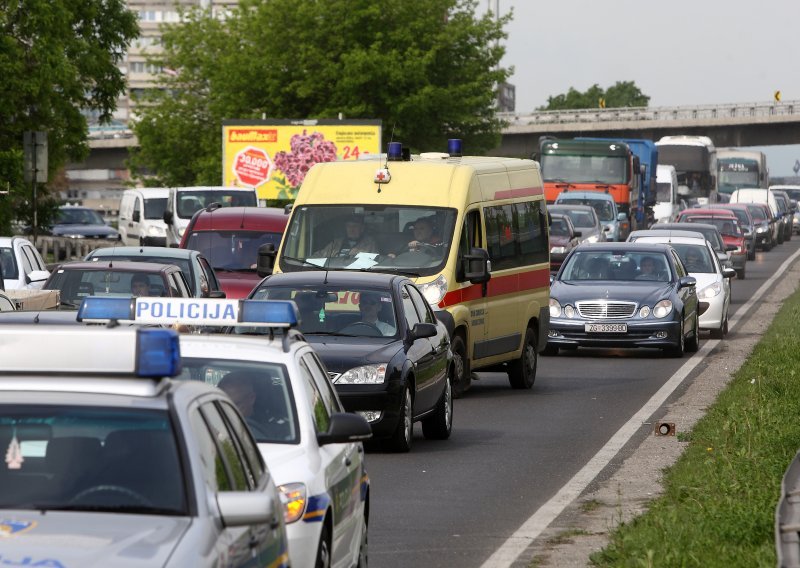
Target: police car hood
point(342, 353)
point(88, 539)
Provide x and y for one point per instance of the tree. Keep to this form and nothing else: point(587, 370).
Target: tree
point(429, 69)
point(621, 94)
point(58, 61)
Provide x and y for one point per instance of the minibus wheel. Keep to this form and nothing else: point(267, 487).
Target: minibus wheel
point(522, 371)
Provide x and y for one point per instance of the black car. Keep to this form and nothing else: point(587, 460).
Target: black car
point(82, 223)
point(623, 295)
point(388, 355)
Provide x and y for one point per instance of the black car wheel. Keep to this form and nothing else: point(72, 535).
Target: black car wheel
point(400, 441)
point(461, 375)
point(522, 371)
point(438, 425)
point(694, 343)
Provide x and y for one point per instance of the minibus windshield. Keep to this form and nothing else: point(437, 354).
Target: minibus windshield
point(356, 237)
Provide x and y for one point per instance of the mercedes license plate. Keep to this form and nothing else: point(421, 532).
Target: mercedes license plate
point(606, 328)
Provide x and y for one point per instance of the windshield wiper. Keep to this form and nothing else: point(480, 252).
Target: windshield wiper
point(391, 269)
point(302, 261)
point(130, 509)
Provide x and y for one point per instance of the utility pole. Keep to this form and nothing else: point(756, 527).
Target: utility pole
point(34, 145)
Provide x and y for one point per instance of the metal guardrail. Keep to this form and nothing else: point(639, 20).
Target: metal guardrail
point(726, 111)
point(787, 517)
point(66, 248)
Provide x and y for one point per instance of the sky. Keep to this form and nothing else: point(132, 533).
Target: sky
point(680, 52)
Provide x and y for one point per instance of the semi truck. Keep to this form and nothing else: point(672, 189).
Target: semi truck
point(591, 165)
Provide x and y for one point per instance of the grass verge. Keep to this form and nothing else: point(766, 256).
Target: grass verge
point(719, 498)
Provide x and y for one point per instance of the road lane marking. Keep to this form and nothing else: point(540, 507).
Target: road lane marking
point(530, 530)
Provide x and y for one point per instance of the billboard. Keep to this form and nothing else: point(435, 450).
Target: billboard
point(273, 155)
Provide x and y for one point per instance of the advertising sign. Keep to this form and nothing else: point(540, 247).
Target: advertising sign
point(274, 155)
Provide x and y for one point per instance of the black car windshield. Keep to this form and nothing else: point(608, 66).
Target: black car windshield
point(183, 263)
point(333, 310)
point(381, 238)
point(596, 265)
point(231, 250)
point(260, 390)
point(76, 284)
point(78, 216)
point(90, 458)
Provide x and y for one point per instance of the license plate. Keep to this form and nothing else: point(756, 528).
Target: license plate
point(606, 327)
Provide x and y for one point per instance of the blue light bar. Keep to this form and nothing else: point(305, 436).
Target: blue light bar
point(274, 313)
point(157, 353)
point(454, 147)
point(395, 152)
point(103, 309)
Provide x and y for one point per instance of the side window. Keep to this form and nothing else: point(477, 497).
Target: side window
point(254, 462)
point(323, 382)
point(471, 237)
point(213, 283)
point(501, 236)
point(409, 309)
point(137, 210)
point(215, 472)
point(227, 448)
point(178, 286)
point(678, 265)
point(27, 267)
point(321, 415)
point(423, 309)
point(533, 239)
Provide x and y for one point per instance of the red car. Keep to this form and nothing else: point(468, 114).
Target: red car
point(728, 225)
point(230, 238)
point(563, 238)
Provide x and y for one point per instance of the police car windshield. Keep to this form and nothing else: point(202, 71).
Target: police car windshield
point(231, 250)
point(261, 392)
point(387, 238)
point(338, 311)
point(90, 458)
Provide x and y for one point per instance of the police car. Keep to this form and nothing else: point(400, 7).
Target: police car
point(312, 446)
point(108, 461)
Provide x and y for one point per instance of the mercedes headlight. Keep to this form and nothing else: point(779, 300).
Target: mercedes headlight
point(555, 308)
point(365, 375)
point(434, 291)
point(710, 291)
point(662, 309)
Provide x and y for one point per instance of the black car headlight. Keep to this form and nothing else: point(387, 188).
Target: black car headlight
point(364, 375)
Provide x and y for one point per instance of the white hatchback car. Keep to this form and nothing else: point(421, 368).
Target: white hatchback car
point(713, 281)
point(22, 265)
point(312, 446)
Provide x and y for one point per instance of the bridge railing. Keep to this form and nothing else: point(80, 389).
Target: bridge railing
point(726, 111)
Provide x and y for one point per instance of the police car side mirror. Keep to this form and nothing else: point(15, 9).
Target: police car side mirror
point(344, 428)
point(476, 266)
point(266, 259)
point(244, 508)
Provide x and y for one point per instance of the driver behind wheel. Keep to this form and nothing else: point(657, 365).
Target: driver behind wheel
point(369, 305)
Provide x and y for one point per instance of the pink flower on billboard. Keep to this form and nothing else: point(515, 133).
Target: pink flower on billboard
point(306, 150)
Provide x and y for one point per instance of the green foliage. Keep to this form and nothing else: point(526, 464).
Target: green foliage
point(56, 60)
point(429, 69)
point(720, 497)
point(621, 94)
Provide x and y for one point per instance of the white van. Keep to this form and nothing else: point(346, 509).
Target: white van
point(756, 195)
point(667, 204)
point(141, 216)
point(184, 202)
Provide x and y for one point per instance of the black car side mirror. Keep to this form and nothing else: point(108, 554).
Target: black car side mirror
point(687, 281)
point(345, 427)
point(421, 330)
point(266, 259)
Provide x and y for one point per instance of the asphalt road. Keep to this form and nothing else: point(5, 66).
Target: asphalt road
point(453, 503)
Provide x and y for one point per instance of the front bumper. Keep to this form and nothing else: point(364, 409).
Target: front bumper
point(711, 312)
point(641, 333)
point(386, 398)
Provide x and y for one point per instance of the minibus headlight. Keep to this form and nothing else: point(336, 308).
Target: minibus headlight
point(434, 291)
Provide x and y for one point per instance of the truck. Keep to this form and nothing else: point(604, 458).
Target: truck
point(647, 152)
point(591, 165)
point(695, 161)
point(738, 168)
